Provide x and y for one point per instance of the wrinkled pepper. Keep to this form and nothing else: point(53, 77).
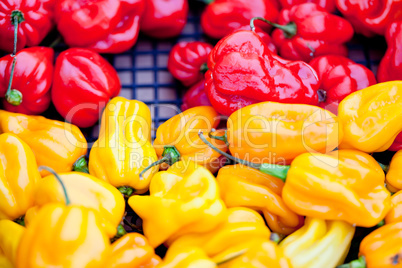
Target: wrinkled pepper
point(187, 257)
point(124, 147)
point(272, 132)
point(241, 225)
point(328, 5)
point(187, 61)
point(83, 190)
point(183, 200)
point(394, 174)
point(195, 96)
point(164, 18)
point(177, 139)
point(35, 19)
point(395, 213)
point(222, 17)
point(32, 77)
point(266, 38)
point(318, 244)
point(348, 185)
point(10, 237)
point(247, 187)
point(132, 250)
point(54, 143)
point(307, 31)
point(19, 174)
point(390, 67)
point(60, 236)
point(370, 17)
point(243, 71)
point(83, 84)
point(372, 117)
point(339, 76)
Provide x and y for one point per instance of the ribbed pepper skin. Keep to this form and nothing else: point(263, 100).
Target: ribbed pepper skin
point(132, 250)
point(271, 132)
point(372, 117)
point(394, 174)
point(10, 236)
point(319, 244)
point(54, 143)
point(382, 248)
point(342, 185)
point(64, 236)
point(124, 147)
point(247, 187)
point(84, 190)
point(181, 131)
point(183, 200)
point(395, 213)
point(18, 175)
point(186, 257)
point(240, 226)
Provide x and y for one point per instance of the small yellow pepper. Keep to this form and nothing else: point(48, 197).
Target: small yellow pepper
point(247, 187)
point(183, 200)
point(132, 251)
point(342, 185)
point(371, 117)
point(64, 236)
point(395, 213)
point(10, 236)
point(85, 190)
point(18, 175)
point(186, 257)
point(124, 147)
point(394, 174)
point(319, 244)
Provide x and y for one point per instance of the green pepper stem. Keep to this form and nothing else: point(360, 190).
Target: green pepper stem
point(60, 181)
point(81, 165)
point(170, 155)
point(223, 138)
point(359, 263)
point(289, 29)
point(276, 237)
point(126, 190)
point(384, 167)
point(204, 68)
point(231, 257)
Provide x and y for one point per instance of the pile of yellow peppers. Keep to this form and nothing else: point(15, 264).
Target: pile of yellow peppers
point(282, 186)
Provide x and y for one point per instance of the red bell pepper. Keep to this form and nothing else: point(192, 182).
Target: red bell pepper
point(36, 20)
point(195, 96)
point(243, 71)
point(106, 26)
point(307, 31)
point(328, 5)
point(390, 67)
point(397, 144)
point(222, 17)
point(339, 77)
point(370, 17)
point(264, 36)
point(188, 61)
point(33, 75)
point(164, 18)
point(83, 83)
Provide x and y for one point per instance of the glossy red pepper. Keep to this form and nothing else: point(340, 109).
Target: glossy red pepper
point(339, 76)
point(370, 17)
point(328, 5)
point(266, 38)
point(243, 71)
point(33, 76)
point(222, 17)
point(36, 23)
point(307, 31)
point(188, 61)
point(397, 144)
point(164, 18)
point(83, 83)
point(195, 96)
point(390, 67)
point(107, 26)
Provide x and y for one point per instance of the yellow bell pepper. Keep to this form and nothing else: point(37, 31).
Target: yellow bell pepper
point(394, 174)
point(54, 143)
point(132, 251)
point(18, 175)
point(85, 190)
point(67, 236)
point(187, 257)
point(241, 225)
point(183, 200)
point(319, 244)
point(342, 185)
point(395, 213)
point(124, 147)
point(371, 117)
point(248, 187)
point(10, 236)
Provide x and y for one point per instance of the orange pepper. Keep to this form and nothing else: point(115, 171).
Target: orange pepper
point(247, 187)
point(395, 213)
point(394, 174)
point(342, 185)
point(276, 133)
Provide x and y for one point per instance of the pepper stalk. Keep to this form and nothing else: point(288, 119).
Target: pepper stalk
point(170, 156)
point(59, 180)
point(289, 29)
